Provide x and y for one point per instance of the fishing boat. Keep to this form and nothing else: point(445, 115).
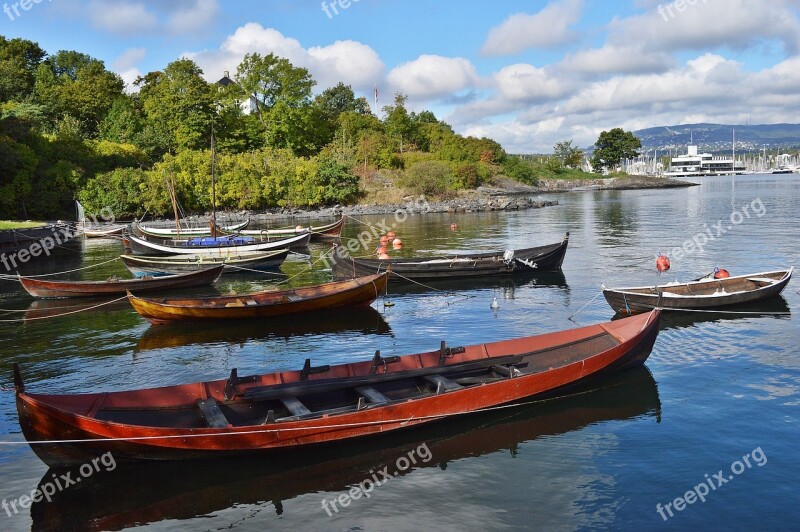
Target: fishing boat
point(113, 285)
point(320, 233)
point(298, 409)
point(704, 293)
point(264, 304)
point(213, 246)
point(492, 263)
point(169, 232)
point(165, 265)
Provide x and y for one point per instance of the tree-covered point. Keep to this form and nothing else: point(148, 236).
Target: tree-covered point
point(70, 128)
point(612, 147)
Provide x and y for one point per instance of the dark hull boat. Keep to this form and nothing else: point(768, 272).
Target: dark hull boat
point(165, 265)
point(493, 263)
point(220, 246)
point(701, 294)
point(114, 286)
point(269, 303)
point(316, 405)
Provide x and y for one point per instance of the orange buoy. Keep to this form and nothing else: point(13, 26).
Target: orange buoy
point(390, 235)
point(662, 263)
point(397, 243)
point(454, 227)
point(384, 256)
point(384, 240)
point(381, 249)
point(721, 273)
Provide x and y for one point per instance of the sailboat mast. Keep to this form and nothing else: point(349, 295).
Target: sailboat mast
point(213, 185)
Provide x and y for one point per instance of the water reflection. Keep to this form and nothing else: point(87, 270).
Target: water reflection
point(365, 320)
point(505, 283)
point(138, 494)
point(775, 307)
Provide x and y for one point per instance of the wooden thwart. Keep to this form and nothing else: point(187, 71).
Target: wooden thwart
point(372, 394)
point(212, 413)
point(294, 406)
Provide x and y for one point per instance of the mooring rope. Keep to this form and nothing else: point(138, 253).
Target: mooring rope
point(17, 320)
point(16, 277)
point(325, 427)
point(600, 293)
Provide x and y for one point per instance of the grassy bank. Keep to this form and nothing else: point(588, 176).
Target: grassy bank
point(8, 224)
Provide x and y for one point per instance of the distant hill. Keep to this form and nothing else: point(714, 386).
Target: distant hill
point(718, 137)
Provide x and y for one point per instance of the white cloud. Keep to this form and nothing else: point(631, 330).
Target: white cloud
point(350, 62)
point(122, 18)
point(526, 83)
point(195, 16)
point(549, 27)
point(432, 76)
point(707, 24)
point(129, 58)
point(612, 59)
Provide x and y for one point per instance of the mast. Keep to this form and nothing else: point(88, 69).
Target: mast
point(213, 185)
point(734, 151)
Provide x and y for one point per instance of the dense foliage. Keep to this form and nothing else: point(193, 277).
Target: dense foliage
point(69, 129)
point(613, 146)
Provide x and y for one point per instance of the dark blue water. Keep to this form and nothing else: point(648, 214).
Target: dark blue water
point(717, 387)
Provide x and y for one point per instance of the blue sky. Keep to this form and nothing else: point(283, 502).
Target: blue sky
point(526, 73)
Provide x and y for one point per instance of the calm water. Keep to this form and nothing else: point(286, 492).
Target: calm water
point(716, 387)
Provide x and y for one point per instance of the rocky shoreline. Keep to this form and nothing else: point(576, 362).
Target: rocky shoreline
point(501, 195)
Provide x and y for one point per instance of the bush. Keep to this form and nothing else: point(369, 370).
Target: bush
point(430, 178)
point(119, 190)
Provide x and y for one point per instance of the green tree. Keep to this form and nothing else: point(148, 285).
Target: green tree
point(76, 85)
point(613, 146)
point(19, 59)
point(399, 126)
point(179, 106)
point(569, 155)
point(431, 178)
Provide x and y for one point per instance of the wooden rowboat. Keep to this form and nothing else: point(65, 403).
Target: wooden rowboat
point(493, 263)
point(111, 286)
point(105, 231)
point(297, 409)
point(700, 294)
point(171, 232)
point(221, 247)
point(319, 233)
point(166, 265)
point(352, 293)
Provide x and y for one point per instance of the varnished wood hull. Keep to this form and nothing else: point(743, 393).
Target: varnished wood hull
point(699, 295)
point(353, 293)
point(63, 289)
point(171, 232)
point(165, 423)
point(542, 258)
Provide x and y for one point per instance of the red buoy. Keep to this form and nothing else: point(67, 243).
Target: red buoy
point(384, 256)
point(720, 273)
point(384, 240)
point(381, 249)
point(454, 227)
point(662, 263)
point(397, 243)
point(390, 235)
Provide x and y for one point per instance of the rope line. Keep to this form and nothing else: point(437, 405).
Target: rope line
point(65, 313)
point(586, 305)
point(325, 427)
point(15, 277)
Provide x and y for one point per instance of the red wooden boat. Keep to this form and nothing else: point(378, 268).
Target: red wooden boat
point(264, 304)
point(298, 409)
point(111, 286)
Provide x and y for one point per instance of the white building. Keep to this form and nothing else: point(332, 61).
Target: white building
point(699, 164)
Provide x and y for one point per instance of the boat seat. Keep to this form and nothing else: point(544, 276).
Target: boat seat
point(212, 413)
point(294, 406)
point(443, 383)
point(761, 280)
point(237, 303)
point(507, 371)
point(374, 396)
